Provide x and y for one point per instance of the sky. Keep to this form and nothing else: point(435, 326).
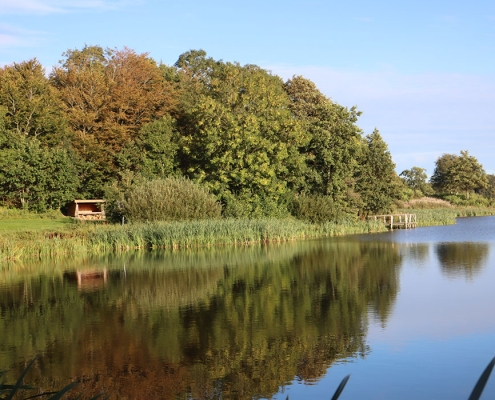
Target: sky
point(422, 72)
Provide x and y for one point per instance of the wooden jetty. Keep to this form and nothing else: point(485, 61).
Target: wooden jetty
point(397, 221)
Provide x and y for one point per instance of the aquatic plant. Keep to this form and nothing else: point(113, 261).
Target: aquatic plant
point(8, 391)
point(475, 394)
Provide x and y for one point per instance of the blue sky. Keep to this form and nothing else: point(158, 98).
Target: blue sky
point(422, 72)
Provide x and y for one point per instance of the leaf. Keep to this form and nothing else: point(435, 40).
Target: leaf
point(61, 393)
point(340, 388)
point(19, 384)
point(480, 385)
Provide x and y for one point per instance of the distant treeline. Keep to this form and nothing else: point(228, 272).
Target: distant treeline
point(105, 120)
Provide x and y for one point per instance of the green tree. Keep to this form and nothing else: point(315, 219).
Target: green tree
point(32, 106)
point(109, 95)
point(334, 141)
point(377, 181)
point(238, 134)
point(416, 179)
point(154, 152)
point(489, 190)
point(35, 177)
point(454, 174)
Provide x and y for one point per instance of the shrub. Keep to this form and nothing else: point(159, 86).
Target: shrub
point(474, 200)
point(170, 199)
point(247, 205)
point(316, 209)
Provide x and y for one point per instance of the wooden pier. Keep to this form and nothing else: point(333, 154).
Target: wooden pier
point(397, 221)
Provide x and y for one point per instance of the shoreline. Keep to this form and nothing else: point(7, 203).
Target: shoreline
point(75, 239)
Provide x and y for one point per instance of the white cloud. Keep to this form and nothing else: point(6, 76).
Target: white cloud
point(421, 116)
point(388, 83)
point(12, 36)
point(58, 6)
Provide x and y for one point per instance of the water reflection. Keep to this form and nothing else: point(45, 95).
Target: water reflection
point(230, 323)
point(462, 259)
point(417, 252)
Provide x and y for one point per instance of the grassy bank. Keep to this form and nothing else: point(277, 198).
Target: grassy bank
point(31, 236)
point(445, 216)
point(74, 239)
point(12, 220)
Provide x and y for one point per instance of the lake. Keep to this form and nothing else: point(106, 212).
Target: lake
point(407, 314)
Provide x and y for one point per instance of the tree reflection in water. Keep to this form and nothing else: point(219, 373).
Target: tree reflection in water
point(462, 259)
point(234, 327)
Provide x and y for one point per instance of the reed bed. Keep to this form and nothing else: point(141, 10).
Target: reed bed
point(79, 239)
point(84, 238)
point(432, 217)
point(474, 211)
point(445, 216)
point(426, 202)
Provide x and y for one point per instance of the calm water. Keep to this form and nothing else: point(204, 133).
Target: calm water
point(408, 314)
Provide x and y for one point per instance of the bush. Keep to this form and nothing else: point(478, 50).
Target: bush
point(474, 200)
point(170, 199)
point(247, 205)
point(316, 209)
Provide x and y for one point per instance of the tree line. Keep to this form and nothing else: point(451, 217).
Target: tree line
point(457, 178)
point(104, 120)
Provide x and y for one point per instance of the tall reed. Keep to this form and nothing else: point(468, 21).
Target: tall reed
point(87, 238)
point(445, 216)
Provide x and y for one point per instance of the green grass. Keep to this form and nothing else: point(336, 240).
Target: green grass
point(12, 220)
point(445, 216)
point(83, 238)
point(32, 236)
point(18, 225)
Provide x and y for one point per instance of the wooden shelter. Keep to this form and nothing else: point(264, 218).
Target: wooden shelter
point(87, 209)
point(88, 279)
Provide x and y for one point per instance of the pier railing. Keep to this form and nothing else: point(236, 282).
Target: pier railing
point(397, 221)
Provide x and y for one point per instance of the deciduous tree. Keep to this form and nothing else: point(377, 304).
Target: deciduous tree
point(456, 174)
point(378, 183)
point(334, 141)
point(32, 107)
point(154, 152)
point(239, 136)
point(35, 177)
point(109, 96)
point(416, 179)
